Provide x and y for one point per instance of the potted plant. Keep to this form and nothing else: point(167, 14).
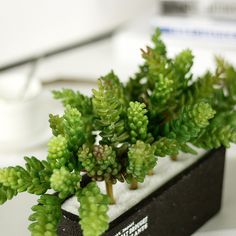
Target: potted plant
point(118, 135)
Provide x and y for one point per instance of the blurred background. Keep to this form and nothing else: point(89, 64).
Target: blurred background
point(47, 45)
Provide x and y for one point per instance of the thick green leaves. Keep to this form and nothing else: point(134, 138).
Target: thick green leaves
point(74, 100)
point(65, 182)
point(58, 152)
point(93, 210)
point(46, 216)
point(138, 121)
point(100, 163)
point(166, 147)
point(74, 128)
point(108, 104)
point(191, 120)
point(33, 179)
point(141, 160)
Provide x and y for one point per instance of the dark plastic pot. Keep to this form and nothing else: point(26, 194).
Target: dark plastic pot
point(178, 208)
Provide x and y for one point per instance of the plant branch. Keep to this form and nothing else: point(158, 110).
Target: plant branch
point(109, 190)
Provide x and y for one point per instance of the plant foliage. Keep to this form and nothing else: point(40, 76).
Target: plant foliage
point(119, 132)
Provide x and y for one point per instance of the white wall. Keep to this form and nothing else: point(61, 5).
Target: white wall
point(29, 27)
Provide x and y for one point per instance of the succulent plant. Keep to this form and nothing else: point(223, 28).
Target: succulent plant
point(119, 132)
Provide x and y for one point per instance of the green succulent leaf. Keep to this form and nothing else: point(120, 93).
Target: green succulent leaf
point(220, 132)
point(46, 216)
point(58, 152)
point(33, 179)
point(141, 160)
point(100, 163)
point(166, 147)
point(75, 100)
point(65, 182)
point(108, 104)
point(191, 120)
point(40, 172)
point(16, 178)
point(6, 193)
point(56, 124)
point(74, 128)
point(93, 210)
point(137, 121)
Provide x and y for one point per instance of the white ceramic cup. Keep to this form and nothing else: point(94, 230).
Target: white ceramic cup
point(22, 113)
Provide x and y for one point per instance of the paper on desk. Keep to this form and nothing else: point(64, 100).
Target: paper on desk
point(227, 232)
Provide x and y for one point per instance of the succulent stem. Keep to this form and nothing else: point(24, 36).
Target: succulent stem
point(150, 172)
point(109, 190)
point(134, 184)
point(174, 157)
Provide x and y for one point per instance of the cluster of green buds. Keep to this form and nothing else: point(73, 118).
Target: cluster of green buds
point(100, 163)
point(141, 160)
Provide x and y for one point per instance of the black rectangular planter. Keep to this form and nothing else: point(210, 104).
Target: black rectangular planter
point(178, 208)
